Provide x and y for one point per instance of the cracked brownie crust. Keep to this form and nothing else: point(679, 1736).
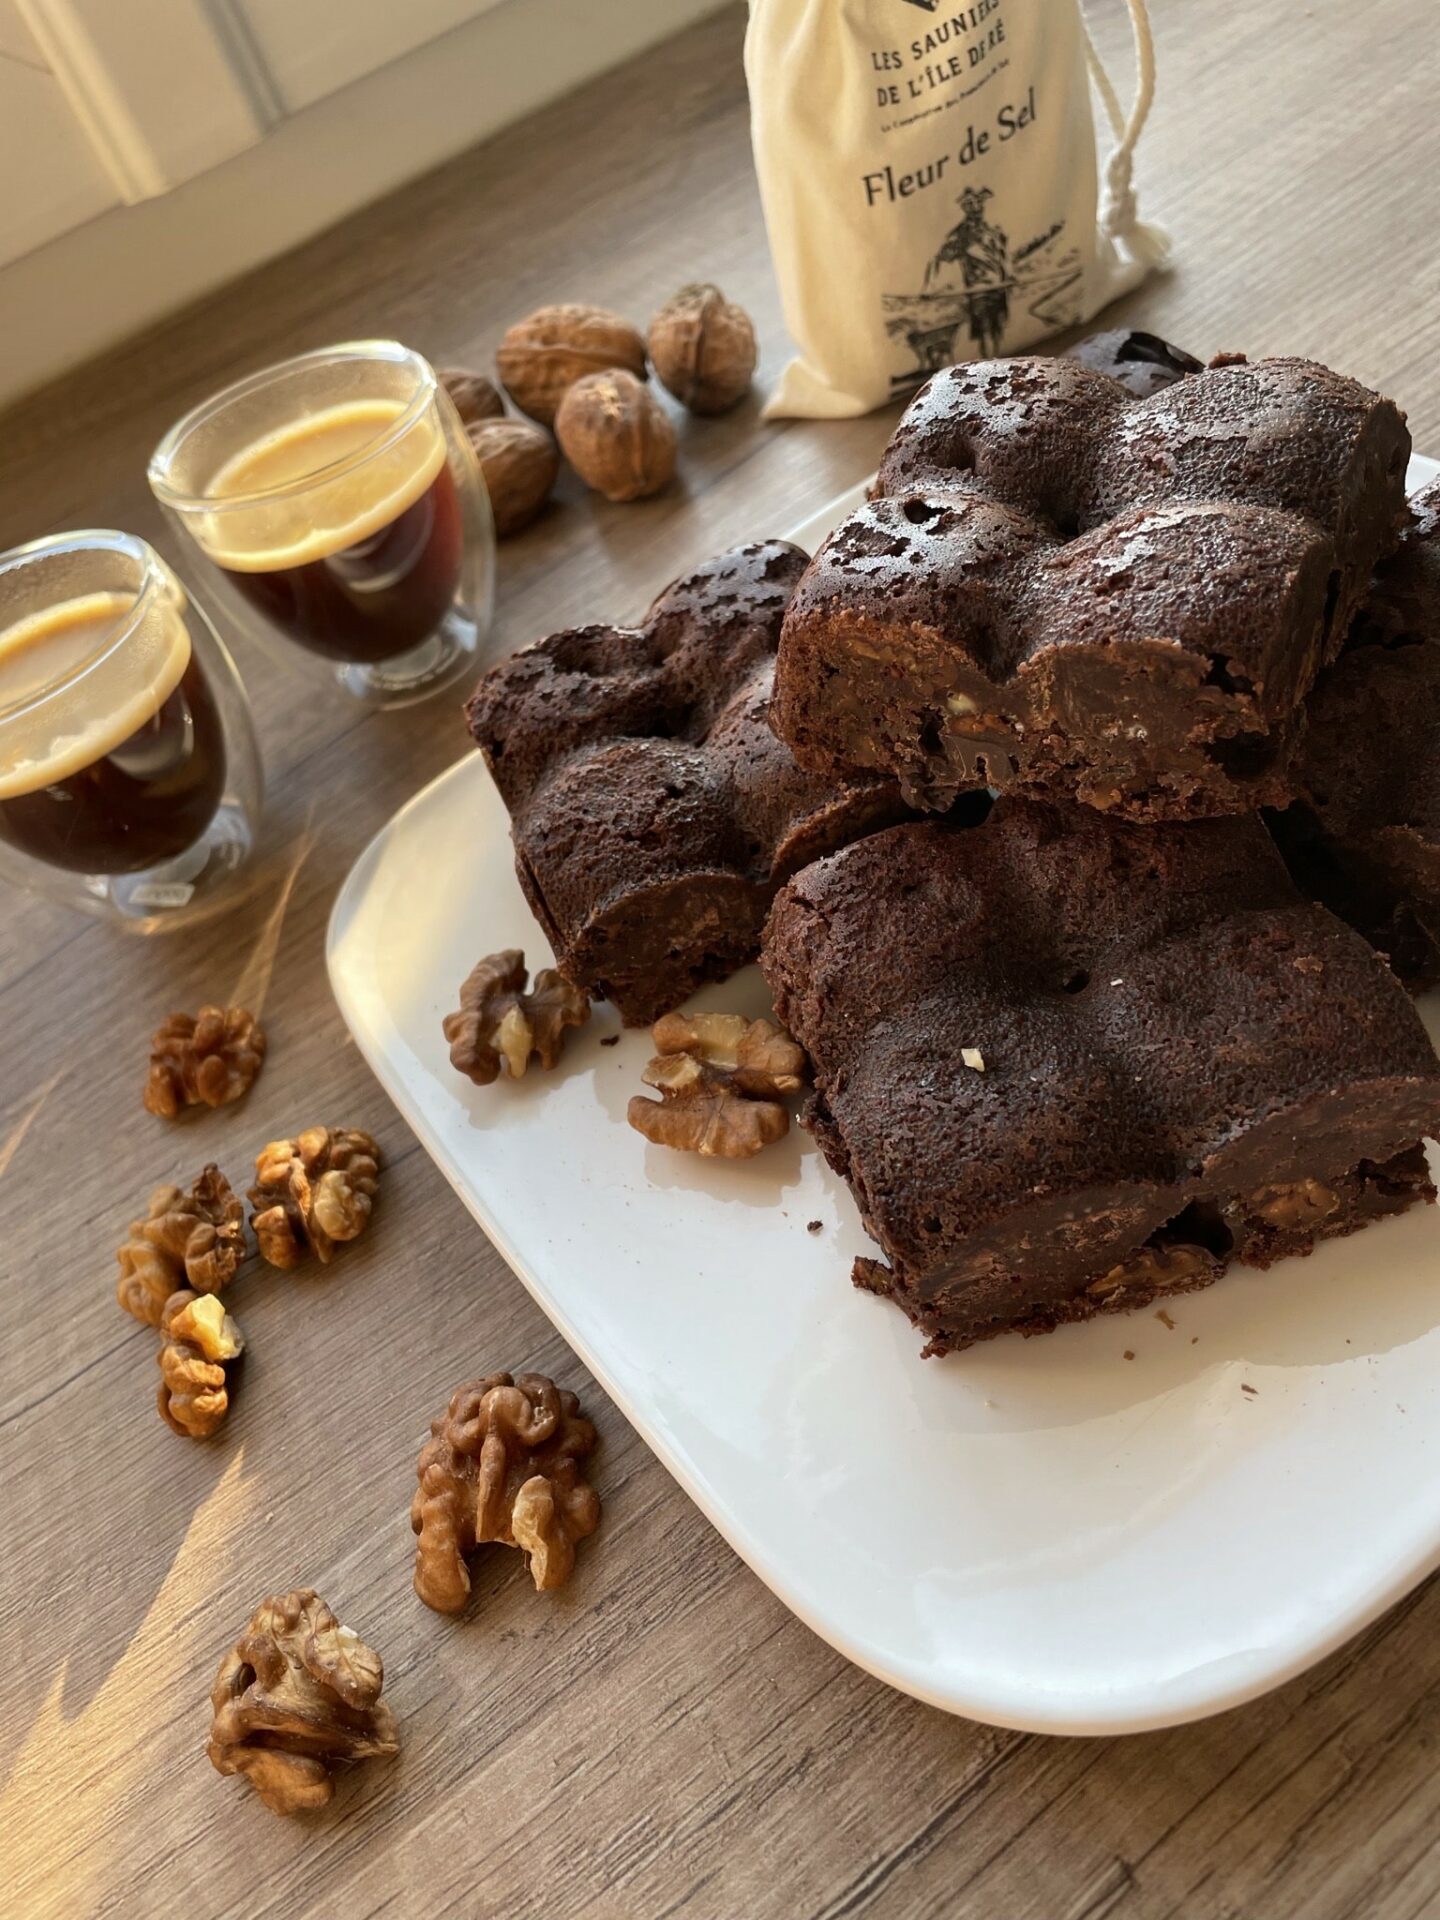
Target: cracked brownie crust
point(653, 810)
point(1066, 588)
point(1365, 837)
point(1182, 1063)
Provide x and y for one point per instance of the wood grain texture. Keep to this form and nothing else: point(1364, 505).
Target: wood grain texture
point(662, 1738)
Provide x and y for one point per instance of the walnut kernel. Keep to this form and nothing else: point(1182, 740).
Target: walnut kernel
point(473, 395)
point(703, 349)
point(721, 1078)
point(297, 1695)
point(519, 462)
point(312, 1193)
point(617, 436)
point(207, 1059)
point(499, 1022)
point(195, 1239)
point(544, 354)
point(502, 1464)
point(200, 1340)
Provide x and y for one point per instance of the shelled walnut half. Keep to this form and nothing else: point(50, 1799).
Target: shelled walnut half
point(502, 1464)
point(206, 1059)
point(295, 1697)
point(721, 1080)
point(194, 1239)
point(312, 1193)
point(201, 1340)
point(499, 1023)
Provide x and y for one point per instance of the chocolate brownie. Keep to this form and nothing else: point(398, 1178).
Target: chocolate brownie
point(1067, 1064)
point(1365, 836)
point(1060, 587)
point(653, 811)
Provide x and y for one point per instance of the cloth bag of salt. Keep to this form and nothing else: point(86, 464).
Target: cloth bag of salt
point(930, 184)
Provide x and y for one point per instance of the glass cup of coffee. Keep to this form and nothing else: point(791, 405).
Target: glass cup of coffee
point(130, 781)
point(338, 499)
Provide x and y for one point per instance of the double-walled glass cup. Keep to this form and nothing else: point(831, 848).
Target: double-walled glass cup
point(342, 507)
point(130, 781)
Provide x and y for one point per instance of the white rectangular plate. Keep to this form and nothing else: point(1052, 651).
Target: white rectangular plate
point(1122, 1525)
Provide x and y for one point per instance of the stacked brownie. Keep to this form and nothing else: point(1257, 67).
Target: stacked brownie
point(653, 810)
point(1088, 1042)
point(1096, 1047)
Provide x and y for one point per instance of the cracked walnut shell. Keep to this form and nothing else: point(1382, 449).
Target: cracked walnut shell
point(498, 1022)
point(703, 349)
point(194, 1239)
point(617, 436)
point(502, 1464)
point(208, 1060)
point(200, 1341)
point(312, 1193)
point(542, 356)
point(721, 1079)
point(296, 1696)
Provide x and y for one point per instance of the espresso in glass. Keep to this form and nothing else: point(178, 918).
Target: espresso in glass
point(341, 507)
point(130, 781)
point(360, 567)
point(128, 785)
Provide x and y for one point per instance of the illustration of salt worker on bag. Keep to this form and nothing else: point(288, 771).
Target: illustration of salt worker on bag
point(969, 282)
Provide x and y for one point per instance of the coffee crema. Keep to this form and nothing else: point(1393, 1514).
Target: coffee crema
point(112, 754)
point(343, 527)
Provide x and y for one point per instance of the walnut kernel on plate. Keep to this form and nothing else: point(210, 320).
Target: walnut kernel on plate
point(502, 1464)
point(721, 1079)
point(206, 1059)
point(194, 1239)
point(313, 1193)
point(297, 1696)
point(498, 1024)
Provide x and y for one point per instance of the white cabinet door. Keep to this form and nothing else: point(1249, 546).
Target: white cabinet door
point(50, 178)
point(312, 47)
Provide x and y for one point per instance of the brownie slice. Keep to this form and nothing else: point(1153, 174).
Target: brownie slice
point(653, 810)
point(1067, 1064)
point(1365, 837)
point(1063, 588)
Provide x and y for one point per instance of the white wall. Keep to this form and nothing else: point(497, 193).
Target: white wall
point(128, 265)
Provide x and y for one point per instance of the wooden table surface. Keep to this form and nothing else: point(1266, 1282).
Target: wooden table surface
point(663, 1737)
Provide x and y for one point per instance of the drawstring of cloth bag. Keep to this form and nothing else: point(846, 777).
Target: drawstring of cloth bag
point(1119, 211)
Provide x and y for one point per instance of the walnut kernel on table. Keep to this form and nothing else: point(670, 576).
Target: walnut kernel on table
point(295, 1697)
point(200, 1340)
point(194, 1239)
point(617, 436)
point(499, 1024)
point(702, 347)
point(721, 1080)
point(207, 1059)
point(502, 1464)
point(313, 1193)
point(544, 354)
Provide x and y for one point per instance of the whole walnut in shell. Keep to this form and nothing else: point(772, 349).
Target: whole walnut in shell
point(474, 396)
point(519, 462)
point(546, 353)
point(617, 436)
point(703, 349)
